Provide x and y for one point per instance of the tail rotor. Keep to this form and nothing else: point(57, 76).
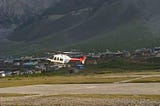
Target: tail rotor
point(83, 59)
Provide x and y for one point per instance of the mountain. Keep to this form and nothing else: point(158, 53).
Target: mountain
point(13, 12)
point(92, 24)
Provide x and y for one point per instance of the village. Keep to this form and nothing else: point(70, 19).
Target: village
point(29, 65)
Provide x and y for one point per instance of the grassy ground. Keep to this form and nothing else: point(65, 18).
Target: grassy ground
point(13, 95)
point(147, 80)
point(77, 79)
point(100, 96)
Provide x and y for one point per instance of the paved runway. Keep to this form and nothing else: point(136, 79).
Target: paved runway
point(119, 88)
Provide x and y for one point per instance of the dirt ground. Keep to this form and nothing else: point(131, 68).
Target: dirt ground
point(70, 101)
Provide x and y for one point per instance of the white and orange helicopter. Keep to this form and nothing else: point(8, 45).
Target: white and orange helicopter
point(65, 59)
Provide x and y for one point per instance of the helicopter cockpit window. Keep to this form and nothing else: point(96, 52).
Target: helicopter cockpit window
point(61, 59)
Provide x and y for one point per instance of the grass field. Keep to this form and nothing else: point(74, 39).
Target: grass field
point(79, 79)
point(22, 81)
point(147, 80)
point(102, 96)
point(13, 95)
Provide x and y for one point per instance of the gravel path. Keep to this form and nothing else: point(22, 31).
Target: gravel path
point(69, 101)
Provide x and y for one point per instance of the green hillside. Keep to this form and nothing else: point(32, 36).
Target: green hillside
point(133, 36)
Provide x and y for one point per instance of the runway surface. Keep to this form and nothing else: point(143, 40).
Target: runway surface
point(115, 88)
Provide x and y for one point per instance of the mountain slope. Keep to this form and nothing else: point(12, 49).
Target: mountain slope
point(114, 24)
point(13, 12)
